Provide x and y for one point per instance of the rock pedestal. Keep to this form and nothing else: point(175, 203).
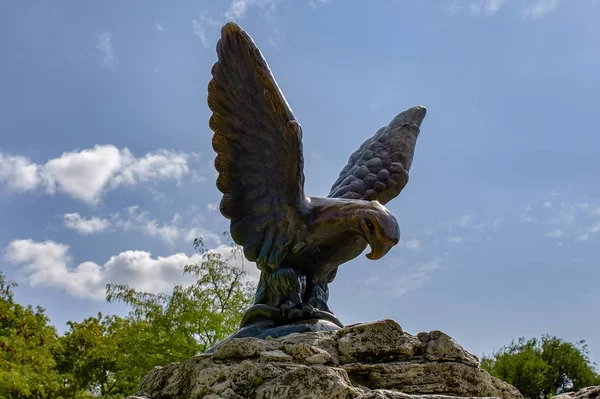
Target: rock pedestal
point(365, 361)
point(585, 393)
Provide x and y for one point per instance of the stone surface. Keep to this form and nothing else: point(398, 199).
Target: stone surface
point(365, 361)
point(441, 347)
point(266, 329)
point(275, 356)
point(584, 393)
point(383, 340)
point(386, 394)
point(428, 378)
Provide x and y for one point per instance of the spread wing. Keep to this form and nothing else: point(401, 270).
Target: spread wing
point(259, 151)
point(378, 170)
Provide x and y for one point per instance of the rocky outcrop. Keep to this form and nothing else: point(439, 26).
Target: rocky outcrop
point(584, 393)
point(364, 361)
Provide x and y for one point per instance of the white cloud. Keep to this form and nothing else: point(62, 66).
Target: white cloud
point(466, 220)
point(316, 3)
point(526, 215)
point(166, 232)
point(469, 222)
point(176, 218)
point(412, 244)
point(213, 207)
point(556, 233)
point(415, 278)
point(239, 8)
point(485, 8)
point(206, 29)
point(236, 259)
point(47, 264)
point(158, 27)
point(140, 221)
point(498, 221)
point(453, 8)
point(85, 226)
point(583, 237)
point(533, 10)
point(159, 165)
point(573, 219)
point(171, 233)
point(566, 213)
point(20, 174)
point(104, 46)
point(133, 219)
point(195, 232)
point(540, 8)
point(86, 174)
point(594, 229)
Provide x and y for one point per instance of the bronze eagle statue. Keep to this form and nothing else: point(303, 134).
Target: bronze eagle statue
point(297, 241)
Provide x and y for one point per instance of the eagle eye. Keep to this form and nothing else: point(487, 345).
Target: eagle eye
point(370, 225)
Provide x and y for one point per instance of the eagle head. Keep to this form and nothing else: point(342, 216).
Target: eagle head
point(379, 228)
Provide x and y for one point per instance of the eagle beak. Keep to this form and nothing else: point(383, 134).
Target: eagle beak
point(379, 249)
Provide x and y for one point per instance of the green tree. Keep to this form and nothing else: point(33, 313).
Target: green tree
point(541, 368)
point(166, 328)
point(27, 342)
point(106, 356)
point(93, 358)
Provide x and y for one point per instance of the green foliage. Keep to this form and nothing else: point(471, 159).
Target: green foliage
point(541, 368)
point(27, 342)
point(93, 358)
point(106, 356)
point(166, 328)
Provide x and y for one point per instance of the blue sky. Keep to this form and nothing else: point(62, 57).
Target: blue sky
point(106, 166)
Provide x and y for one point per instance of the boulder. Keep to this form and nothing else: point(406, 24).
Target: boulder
point(364, 361)
point(584, 393)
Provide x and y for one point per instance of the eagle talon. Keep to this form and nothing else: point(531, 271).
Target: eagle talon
point(285, 308)
point(308, 310)
point(291, 311)
point(294, 314)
